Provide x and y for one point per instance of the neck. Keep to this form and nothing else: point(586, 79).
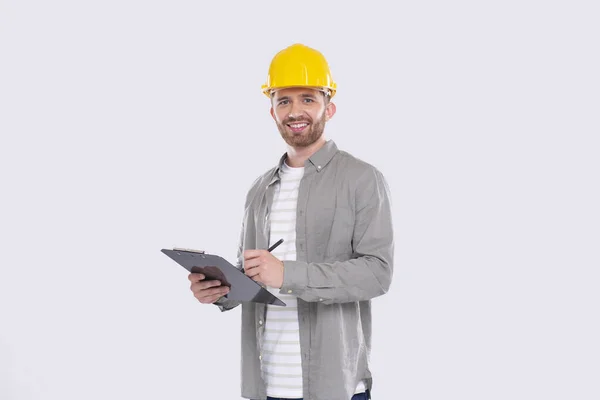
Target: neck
point(297, 156)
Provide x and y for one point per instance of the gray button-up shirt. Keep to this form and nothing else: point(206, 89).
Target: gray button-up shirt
point(345, 248)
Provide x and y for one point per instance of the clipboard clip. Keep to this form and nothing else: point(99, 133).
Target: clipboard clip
point(188, 250)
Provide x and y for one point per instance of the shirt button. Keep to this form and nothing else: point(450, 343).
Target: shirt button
point(260, 322)
point(260, 357)
point(320, 299)
point(318, 167)
point(289, 291)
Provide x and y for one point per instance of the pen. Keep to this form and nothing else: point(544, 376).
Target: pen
point(275, 245)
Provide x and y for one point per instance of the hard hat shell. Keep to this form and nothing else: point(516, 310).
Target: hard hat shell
point(299, 66)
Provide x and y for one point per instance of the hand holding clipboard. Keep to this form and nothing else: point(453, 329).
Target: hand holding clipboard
point(217, 277)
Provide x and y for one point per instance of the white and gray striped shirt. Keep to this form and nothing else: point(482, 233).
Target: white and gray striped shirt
point(282, 363)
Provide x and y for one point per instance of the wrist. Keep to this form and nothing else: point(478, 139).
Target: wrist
point(282, 274)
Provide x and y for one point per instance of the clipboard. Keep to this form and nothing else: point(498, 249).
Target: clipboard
point(241, 287)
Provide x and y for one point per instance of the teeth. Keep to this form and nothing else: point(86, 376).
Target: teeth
point(298, 126)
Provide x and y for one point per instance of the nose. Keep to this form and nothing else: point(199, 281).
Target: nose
point(296, 110)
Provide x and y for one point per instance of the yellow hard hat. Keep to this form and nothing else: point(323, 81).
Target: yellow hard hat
point(299, 65)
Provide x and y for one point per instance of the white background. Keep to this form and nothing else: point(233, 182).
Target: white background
point(131, 126)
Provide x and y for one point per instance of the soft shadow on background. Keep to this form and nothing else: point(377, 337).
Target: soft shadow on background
point(132, 126)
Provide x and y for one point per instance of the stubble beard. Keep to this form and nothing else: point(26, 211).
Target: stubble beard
point(304, 139)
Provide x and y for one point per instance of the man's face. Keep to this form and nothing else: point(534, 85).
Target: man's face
point(300, 115)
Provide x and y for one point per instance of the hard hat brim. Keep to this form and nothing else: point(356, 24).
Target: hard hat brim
point(268, 91)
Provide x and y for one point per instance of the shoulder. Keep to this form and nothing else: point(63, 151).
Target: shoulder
point(366, 181)
point(357, 169)
point(259, 184)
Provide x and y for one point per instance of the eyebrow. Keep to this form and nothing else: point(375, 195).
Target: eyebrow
point(305, 95)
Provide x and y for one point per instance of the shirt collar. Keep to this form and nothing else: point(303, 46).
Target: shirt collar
point(318, 160)
point(322, 157)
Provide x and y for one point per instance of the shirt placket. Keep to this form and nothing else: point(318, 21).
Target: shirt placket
point(301, 255)
point(263, 242)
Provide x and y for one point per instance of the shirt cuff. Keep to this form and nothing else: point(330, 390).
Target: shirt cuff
point(295, 277)
point(226, 304)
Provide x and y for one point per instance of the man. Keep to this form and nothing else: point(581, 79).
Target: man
point(333, 213)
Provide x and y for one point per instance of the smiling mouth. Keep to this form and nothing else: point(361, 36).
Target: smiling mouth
point(298, 127)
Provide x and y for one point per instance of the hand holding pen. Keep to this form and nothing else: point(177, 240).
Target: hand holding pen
point(264, 267)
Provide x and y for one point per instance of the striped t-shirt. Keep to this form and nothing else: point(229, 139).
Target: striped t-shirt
point(281, 360)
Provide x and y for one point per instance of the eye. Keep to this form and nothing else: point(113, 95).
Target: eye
point(309, 100)
point(283, 102)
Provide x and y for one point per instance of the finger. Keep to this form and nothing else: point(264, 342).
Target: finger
point(255, 262)
point(249, 254)
point(203, 285)
point(194, 277)
point(210, 300)
point(211, 295)
point(253, 272)
point(212, 292)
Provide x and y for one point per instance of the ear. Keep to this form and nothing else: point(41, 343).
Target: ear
point(273, 114)
point(329, 111)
